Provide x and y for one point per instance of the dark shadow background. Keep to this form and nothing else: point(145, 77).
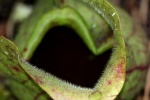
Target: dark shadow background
point(63, 54)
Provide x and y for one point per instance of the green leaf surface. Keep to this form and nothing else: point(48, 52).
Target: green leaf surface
point(23, 79)
point(107, 87)
point(10, 67)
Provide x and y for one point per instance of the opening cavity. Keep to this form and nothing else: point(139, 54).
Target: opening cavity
point(63, 53)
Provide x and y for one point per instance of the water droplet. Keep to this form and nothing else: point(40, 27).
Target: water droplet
point(113, 14)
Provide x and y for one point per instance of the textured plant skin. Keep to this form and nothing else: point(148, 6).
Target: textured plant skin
point(109, 85)
point(137, 57)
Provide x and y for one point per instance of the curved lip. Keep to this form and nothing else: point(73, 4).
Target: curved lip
point(112, 80)
point(113, 77)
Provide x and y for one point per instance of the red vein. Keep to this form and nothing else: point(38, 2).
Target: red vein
point(139, 68)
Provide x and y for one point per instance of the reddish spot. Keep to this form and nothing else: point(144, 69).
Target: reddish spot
point(120, 71)
point(38, 95)
point(139, 68)
point(38, 79)
point(109, 82)
point(16, 69)
point(25, 49)
point(62, 1)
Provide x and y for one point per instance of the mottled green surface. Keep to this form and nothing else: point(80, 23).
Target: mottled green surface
point(93, 30)
point(137, 56)
point(19, 81)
